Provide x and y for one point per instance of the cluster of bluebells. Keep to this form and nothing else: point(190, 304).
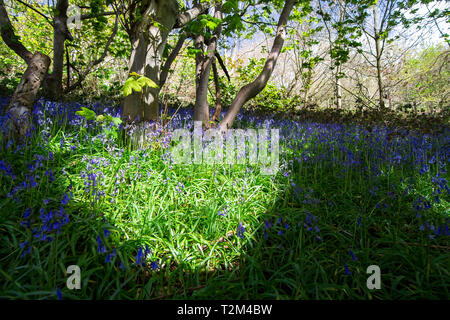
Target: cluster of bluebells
point(93, 177)
point(441, 230)
point(240, 230)
point(7, 169)
point(141, 258)
point(179, 188)
point(50, 221)
point(311, 225)
point(32, 177)
point(280, 227)
point(101, 249)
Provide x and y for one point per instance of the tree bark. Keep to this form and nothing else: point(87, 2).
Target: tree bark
point(250, 90)
point(218, 109)
point(21, 104)
point(148, 42)
point(203, 69)
point(53, 82)
point(339, 68)
point(170, 59)
point(378, 57)
point(189, 15)
point(201, 109)
point(22, 101)
point(147, 45)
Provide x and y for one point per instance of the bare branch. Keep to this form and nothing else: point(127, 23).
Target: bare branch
point(222, 65)
point(173, 54)
point(83, 75)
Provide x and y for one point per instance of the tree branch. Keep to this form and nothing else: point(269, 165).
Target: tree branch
point(10, 38)
point(189, 15)
point(101, 14)
point(173, 54)
point(83, 75)
point(222, 64)
point(36, 10)
point(250, 90)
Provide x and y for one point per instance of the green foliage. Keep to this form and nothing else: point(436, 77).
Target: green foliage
point(427, 75)
point(111, 123)
point(136, 83)
point(86, 113)
point(205, 24)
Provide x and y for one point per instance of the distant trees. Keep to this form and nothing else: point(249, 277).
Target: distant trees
point(424, 79)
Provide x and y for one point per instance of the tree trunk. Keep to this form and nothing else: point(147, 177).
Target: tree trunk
point(201, 109)
point(134, 104)
point(203, 69)
point(218, 109)
point(378, 57)
point(339, 68)
point(21, 104)
point(338, 88)
point(250, 90)
point(53, 82)
point(148, 42)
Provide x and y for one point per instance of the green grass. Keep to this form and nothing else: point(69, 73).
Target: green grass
point(197, 251)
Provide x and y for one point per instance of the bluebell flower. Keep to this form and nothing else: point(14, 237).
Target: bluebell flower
point(139, 256)
point(101, 248)
point(347, 270)
point(353, 255)
point(27, 213)
point(65, 199)
point(240, 231)
point(59, 294)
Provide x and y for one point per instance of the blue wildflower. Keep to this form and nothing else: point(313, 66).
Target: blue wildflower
point(27, 213)
point(139, 256)
point(353, 255)
point(240, 231)
point(59, 294)
point(65, 199)
point(347, 270)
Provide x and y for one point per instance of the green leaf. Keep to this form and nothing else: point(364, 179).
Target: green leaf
point(146, 82)
point(88, 114)
point(130, 85)
point(116, 121)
